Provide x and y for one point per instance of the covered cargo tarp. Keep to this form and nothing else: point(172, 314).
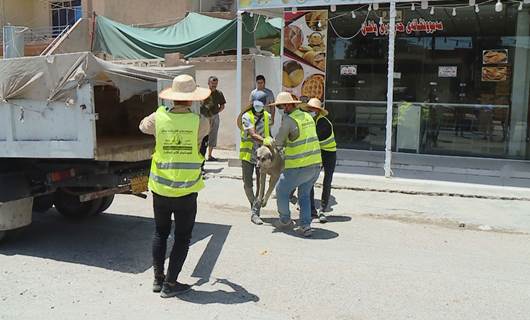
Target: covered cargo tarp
point(194, 36)
point(57, 77)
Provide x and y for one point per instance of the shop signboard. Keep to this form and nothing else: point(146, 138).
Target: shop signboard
point(304, 59)
point(266, 4)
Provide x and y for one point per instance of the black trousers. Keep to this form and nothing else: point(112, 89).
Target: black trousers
point(184, 210)
point(329, 161)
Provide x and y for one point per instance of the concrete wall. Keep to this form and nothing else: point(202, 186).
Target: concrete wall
point(225, 69)
point(143, 12)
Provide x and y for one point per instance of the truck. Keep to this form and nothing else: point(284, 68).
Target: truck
point(69, 134)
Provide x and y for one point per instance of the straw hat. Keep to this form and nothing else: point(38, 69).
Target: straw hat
point(285, 98)
point(245, 110)
point(314, 103)
point(184, 88)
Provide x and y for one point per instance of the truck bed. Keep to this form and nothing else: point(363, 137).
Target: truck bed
point(128, 148)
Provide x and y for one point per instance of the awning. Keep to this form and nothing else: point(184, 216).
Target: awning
point(194, 36)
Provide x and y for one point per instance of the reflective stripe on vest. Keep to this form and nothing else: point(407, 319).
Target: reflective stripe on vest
point(176, 164)
point(328, 144)
point(247, 143)
point(305, 150)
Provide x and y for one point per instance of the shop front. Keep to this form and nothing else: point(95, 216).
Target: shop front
point(446, 78)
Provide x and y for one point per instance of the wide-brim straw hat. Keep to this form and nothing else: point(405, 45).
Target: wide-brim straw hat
point(245, 110)
point(285, 98)
point(184, 88)
point(315, 103)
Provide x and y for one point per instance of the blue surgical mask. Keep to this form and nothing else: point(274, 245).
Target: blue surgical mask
point(313, 113)
point(258, 109)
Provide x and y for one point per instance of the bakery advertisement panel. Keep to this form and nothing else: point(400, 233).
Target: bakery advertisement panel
point(304, 59)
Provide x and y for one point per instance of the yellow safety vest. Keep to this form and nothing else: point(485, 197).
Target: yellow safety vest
point(176, 164)
point(305, 150)
point(247, 143)
point(329, 143)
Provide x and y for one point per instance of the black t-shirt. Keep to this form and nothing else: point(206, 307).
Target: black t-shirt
point(324, 129)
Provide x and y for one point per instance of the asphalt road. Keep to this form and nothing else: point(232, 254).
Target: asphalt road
point(382, 256)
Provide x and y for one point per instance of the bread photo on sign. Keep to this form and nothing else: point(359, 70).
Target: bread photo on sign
point(495, 57)
point(316, 20)
point(313, 86)
point(293, 74)
point(494, 73)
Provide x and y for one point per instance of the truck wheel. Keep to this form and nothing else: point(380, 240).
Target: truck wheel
point(68, 205)
point(105, 204)
point(43, 203)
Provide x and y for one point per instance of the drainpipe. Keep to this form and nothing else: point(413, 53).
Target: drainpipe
point(390, 91)
point(239, 71)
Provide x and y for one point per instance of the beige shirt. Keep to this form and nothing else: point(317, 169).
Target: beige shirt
point(147, 125)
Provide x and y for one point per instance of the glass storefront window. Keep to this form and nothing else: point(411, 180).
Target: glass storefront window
point(461, 90)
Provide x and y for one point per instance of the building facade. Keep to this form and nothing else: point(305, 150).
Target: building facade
point(460, 86)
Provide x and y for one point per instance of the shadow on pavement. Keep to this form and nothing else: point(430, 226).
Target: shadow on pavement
point(318, 233)
point(237, 296)
point(110, 241)
point(334, 219)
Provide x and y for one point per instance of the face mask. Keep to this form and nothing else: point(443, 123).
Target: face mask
point(313, 113)
point(258, 109)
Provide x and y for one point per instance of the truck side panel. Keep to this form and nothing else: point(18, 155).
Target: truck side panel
point(33, 129)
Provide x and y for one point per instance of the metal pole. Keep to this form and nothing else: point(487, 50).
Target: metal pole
point(239, 71)
point(282, 39)
point(390, 90)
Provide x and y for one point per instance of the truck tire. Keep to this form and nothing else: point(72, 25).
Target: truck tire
point(105, 204)
point(3, 235)
point(43, 203)
point(68, 205)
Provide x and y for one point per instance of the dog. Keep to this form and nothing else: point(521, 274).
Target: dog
point(270, 163)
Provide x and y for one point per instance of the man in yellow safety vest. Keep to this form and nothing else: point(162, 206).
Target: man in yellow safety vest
point(328, 147)
point(297, 135)
point(175, 178)
point(254, 123)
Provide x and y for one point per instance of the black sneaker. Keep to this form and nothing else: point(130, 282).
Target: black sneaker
point(157, 283)
point(213, 159)
point(173, 290)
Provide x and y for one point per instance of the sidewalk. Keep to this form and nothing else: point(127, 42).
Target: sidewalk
point(230, 168)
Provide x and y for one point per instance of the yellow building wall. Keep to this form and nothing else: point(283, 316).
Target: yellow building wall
point(30, 13)
point(142, 11)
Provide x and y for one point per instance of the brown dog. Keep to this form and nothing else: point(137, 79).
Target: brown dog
point(269, 162)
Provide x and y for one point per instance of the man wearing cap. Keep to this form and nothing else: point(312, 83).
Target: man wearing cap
point(175, 178)
point(254, 123)
point(328, 148)
point(297, 135)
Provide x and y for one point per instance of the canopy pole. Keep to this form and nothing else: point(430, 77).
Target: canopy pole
point(390, 90)
point(239, 72)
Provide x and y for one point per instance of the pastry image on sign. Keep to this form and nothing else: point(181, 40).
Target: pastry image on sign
point(494, 74)
point(495, 57)
point(313, 87)
point(316, 20)
point(293, 74)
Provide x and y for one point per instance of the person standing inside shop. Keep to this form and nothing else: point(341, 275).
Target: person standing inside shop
point(328, 149)
point(175, 178)
point(256, 94)
point(298, 136)
point(210, 108)
point(254, 123)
